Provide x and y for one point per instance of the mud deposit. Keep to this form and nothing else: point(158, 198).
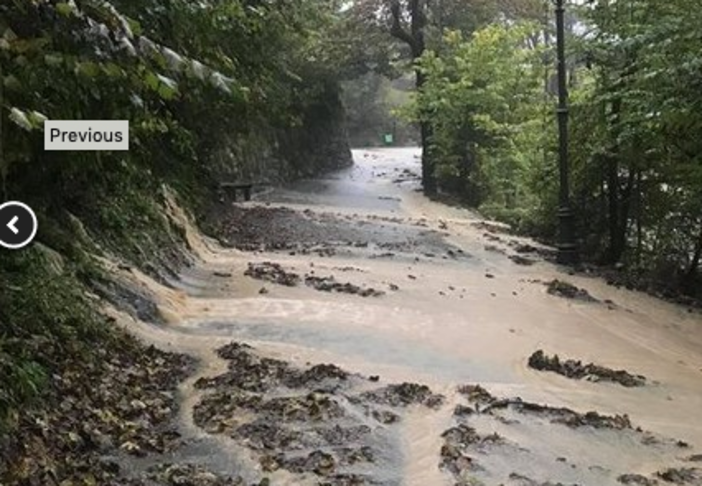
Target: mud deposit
point(483, 445)
point(315, 421)
point(326, 234)
point(323, 386)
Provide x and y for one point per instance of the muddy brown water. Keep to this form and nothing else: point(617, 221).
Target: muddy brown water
point(447, 318)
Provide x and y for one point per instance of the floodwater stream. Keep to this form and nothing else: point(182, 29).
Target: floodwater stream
point(454, 311)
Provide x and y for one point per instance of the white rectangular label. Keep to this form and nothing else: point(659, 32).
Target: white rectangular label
point(86, 135)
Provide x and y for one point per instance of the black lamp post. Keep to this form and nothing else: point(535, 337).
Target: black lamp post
point(567, 245)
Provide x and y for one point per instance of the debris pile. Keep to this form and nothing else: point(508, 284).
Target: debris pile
point(304, 420)
point(571, 368)
point(121, 404)
point(567, 290)
point(329, 284)
point(272, 272)
point(405, 394)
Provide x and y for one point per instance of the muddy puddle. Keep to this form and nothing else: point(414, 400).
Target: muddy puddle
point(306, 380)
point(381, 350)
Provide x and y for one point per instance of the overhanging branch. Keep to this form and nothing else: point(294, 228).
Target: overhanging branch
point(396, 29)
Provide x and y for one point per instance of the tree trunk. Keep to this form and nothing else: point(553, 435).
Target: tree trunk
point(639, 215)
point(690, 277)
point(620, 242)
point(426, 133)
point(616, 242)
point(414, 38)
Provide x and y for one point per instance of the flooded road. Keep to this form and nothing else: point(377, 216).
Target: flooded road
point(446, 307)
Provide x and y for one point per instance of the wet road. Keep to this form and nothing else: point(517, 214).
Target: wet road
point(456, 310)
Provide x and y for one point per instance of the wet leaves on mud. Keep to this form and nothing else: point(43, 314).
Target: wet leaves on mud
point(486, 403)
point(303, 420)
point(563, 415)
point(679, 476)
point(272, 272)
point(567, 290)
point(464, 444)
point(123, 403)
point(476, 394)
point(684, 475)
point(329, 284)
point(275, 273)
point(520, 260)
point(636, 479)
point(459, 442)
point(577, 370)
point(404, 394)
point(182, 475)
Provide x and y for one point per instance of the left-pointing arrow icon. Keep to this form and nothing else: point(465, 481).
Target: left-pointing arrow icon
point(18, 225)
point(12, 224)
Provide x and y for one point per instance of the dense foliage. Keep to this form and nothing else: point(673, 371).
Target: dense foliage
point(635, 99)
point(250, 89)
point(214, 90)
point(191, 78)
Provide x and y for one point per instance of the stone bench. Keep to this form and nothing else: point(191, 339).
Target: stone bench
point(232, 188)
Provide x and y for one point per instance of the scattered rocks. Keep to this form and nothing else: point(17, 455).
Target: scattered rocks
point(577, 370)
point(567, 290)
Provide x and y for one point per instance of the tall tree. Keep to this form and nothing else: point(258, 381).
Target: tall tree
point(408, 23)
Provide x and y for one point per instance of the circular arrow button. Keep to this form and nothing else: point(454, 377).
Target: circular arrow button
point(18, 225)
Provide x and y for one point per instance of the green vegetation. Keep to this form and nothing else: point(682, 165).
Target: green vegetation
point(44, 315)
point(214, 91)
point(486, 102)
point(234, 90)
point(372, 103)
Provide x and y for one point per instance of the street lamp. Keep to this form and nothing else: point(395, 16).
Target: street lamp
point(567, 245)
